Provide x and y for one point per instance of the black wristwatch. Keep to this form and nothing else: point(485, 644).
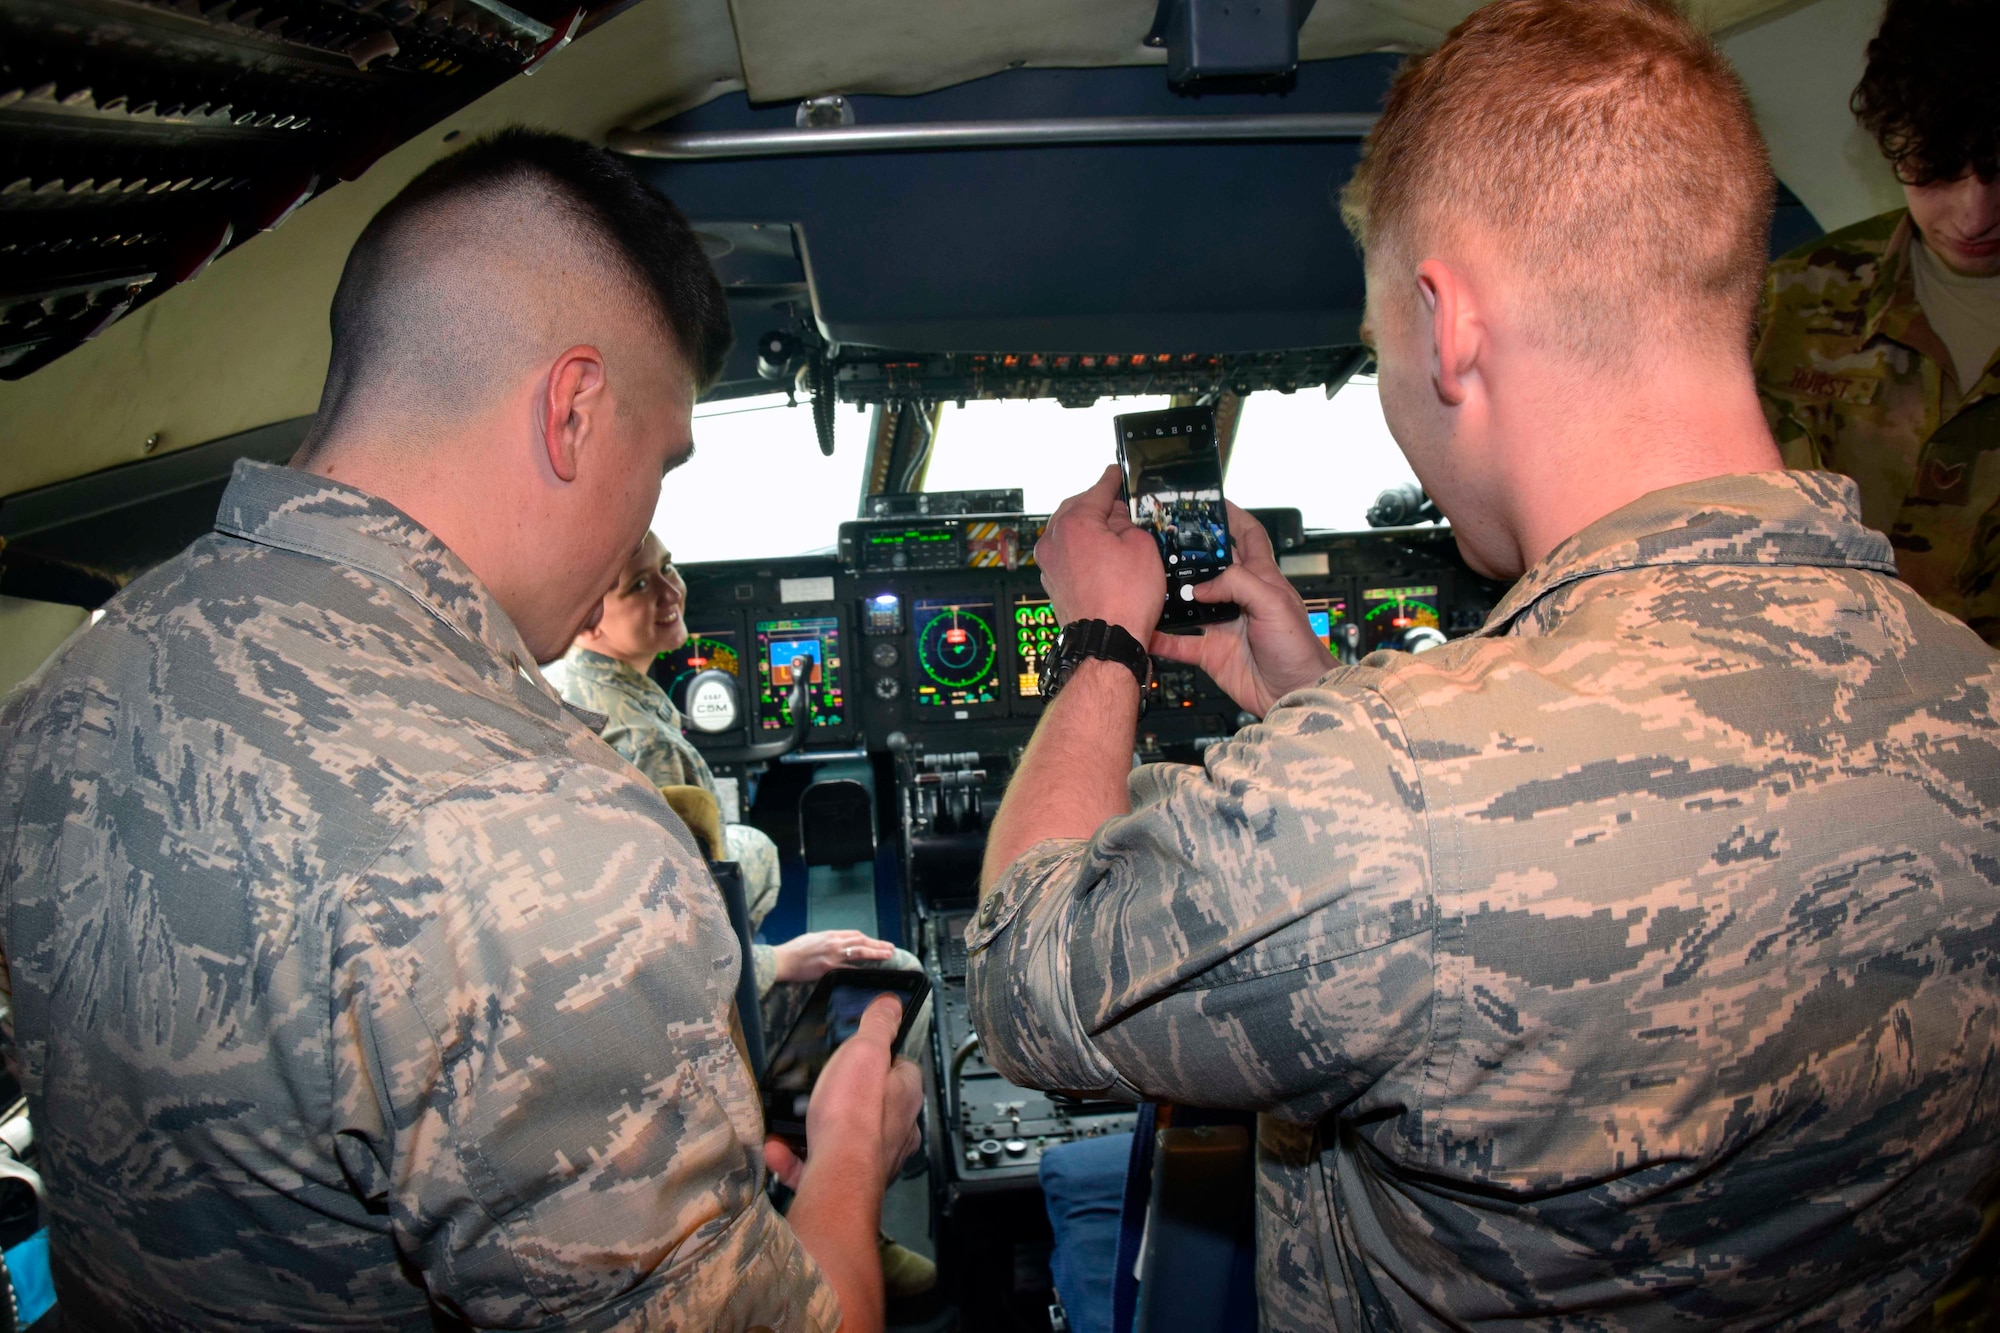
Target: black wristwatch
point(1081, 640)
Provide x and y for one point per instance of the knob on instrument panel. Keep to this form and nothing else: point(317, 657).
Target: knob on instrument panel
point(989, 1151)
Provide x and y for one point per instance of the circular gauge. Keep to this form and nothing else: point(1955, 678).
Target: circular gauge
point(1390, 621)
point(884, 654)
point(956, 648)
point(698, 655)
point(887, 687)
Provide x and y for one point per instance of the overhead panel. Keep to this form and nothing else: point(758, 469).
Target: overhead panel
point(139, 139)
point(894, 46)
point(1208, 246)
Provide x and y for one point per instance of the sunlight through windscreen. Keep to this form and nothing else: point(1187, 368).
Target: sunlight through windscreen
point(1050, 451)
point(1328, 459)
point(758, 484)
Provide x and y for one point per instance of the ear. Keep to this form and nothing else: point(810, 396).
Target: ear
point(573, 406)
point(1457, 333)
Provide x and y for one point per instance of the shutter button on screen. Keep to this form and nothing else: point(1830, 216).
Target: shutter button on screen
point(1187, 592)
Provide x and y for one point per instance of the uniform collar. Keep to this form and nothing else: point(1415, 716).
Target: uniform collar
point(1892, 300)
point(1746, 518)
point(1892, 310)
point(606, 672)
point(312, 515)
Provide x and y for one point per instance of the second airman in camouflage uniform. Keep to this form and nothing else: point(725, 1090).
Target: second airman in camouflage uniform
point(1854, 380)
point(1879, 349)
point(1634, 964)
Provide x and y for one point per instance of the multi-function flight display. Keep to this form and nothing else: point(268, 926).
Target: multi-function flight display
point(779, 644)
point(958, 654)
point(1035, 632)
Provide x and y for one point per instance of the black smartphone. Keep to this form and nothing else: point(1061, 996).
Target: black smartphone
point(1173, 483)
point(832, 1015)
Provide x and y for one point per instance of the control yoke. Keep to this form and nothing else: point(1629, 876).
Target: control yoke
point(801, 702)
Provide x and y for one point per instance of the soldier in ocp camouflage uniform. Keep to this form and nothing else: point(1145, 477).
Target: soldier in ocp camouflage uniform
point(1879, 349)
point(1633, 964)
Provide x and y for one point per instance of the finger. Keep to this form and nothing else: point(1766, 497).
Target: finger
point(1253, 544)
point(783, 1163)
point(1257, 597)
point(1094, 499)
point(879, 1022)
point(875, 949)
point(902, 1101)
point(904, 1091)
point(1186, 648)
point(1105, 488)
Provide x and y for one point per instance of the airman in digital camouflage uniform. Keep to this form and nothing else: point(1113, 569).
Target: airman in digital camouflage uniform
point(355, 982)
point(1635, 962)
point(1879, 349)
point(643, 616)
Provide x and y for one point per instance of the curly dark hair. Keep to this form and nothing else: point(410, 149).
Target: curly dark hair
point(1931, 93)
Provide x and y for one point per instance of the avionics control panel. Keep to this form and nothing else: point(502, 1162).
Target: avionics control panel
point(953, 653)
point(998, 1131)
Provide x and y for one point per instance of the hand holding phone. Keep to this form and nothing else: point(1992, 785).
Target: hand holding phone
point(1269, 652)
point(1173, 483)
point(832, 1015)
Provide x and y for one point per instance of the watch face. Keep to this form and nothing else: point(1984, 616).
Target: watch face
point(1052, 673)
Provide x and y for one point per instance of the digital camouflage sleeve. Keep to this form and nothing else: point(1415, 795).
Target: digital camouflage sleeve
point(1633, 964)
point(357, 983)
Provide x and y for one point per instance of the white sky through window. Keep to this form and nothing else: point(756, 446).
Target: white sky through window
point(759, 487)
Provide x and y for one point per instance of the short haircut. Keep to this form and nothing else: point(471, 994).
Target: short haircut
point(416, 276)
point(1931, 92)
point(1606, 146)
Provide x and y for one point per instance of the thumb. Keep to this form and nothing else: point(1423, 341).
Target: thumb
point(879, 1023)
point(783, 1162)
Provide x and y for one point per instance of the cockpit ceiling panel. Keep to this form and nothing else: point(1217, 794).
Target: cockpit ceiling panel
point(894, 46)
point(1182, 247)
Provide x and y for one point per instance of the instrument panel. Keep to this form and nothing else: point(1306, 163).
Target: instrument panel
point(908, 646)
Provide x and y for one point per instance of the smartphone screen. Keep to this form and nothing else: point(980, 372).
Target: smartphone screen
point(1173, 483)
point(832, 1014)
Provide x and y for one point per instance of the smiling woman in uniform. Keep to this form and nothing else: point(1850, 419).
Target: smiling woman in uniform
point(605, 670)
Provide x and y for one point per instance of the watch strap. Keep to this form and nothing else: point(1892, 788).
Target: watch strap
point(1082, 640)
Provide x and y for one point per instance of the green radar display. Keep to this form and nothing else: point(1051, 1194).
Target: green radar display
point(958, 656)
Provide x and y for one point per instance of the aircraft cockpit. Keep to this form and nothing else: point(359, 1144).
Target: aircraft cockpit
point(955, 245)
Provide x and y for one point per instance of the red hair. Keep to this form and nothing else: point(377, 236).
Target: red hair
point(1609, 149)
